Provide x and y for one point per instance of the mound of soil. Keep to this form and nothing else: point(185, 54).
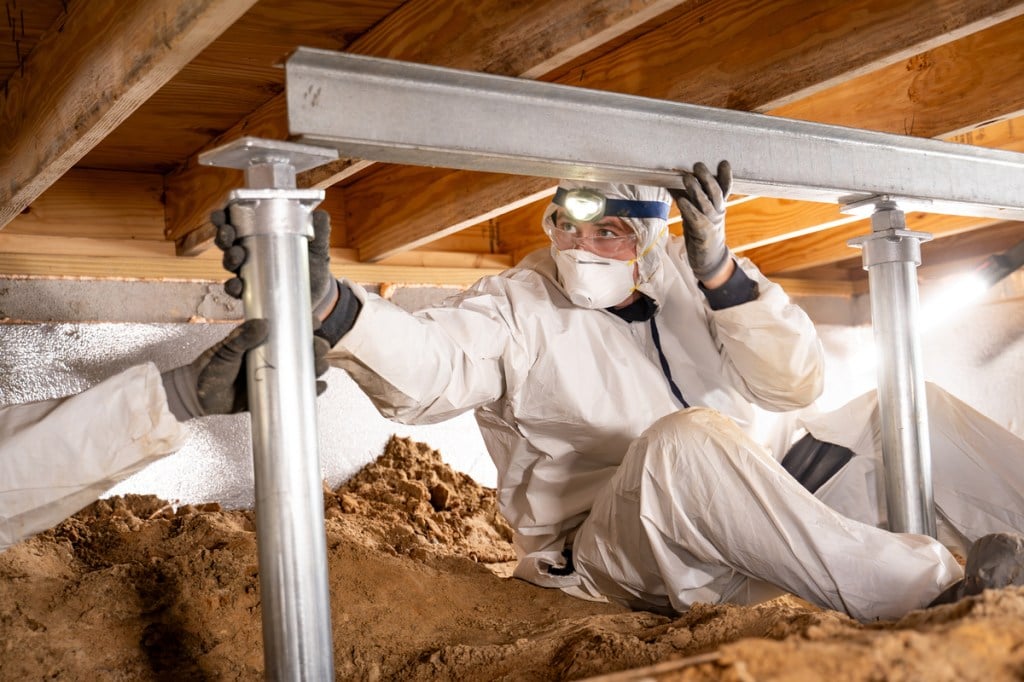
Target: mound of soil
point(131, 588)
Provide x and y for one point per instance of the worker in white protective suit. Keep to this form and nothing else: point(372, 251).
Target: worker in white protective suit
point(59, 455)
point(614, 378)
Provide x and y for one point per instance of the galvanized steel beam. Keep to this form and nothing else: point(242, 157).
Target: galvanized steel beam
point(384, 110)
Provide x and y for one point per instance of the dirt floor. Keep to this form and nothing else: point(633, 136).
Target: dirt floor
point(132, 589)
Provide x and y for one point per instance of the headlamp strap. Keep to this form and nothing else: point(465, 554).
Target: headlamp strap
point(622, 208)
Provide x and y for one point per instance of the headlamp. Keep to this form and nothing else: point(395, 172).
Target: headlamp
point(588, 206)
point(583, 205)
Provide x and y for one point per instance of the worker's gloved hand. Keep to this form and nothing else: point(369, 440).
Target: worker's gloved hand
point(215, 382)
point(994, 561)
point(322, 285)
point(333, 303)
point(701, 204)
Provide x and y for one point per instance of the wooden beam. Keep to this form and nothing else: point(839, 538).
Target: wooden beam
point(1008, 135)
point(26, 25)
point(526, 39)
point(83, 246)
point(975, 81)
point(236, 74)
point(429, 200)
point(805, 286)
point(480, 238)
point(435, 260)
point(344, 258)
point(789, 50)
point(767, 221)
point(86, 75)
point(196, 242)
point(735, 54)
point(126, 260)
point(513, 39)
point(119, 267)
point(521, 228)
point(969, 247)
point(96, 204)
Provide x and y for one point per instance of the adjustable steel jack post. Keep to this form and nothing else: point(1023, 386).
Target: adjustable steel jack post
point(891, 255)
point(274, 222)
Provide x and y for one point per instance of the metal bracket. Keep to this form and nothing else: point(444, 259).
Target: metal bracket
point(246, 152)
point(868, 206)
point(889, 241)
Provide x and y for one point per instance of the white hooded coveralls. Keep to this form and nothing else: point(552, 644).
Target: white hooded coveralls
point(57, 456)
point(669, 506)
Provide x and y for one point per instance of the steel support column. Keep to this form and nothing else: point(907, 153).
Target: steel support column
point(274, 222)
point(891, 255)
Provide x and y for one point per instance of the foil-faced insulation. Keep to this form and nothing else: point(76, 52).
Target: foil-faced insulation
point(44, 357)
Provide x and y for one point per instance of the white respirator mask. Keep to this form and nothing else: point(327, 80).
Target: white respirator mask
point(593, 281)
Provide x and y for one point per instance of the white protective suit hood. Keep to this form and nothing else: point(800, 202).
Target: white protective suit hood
point(652, 233)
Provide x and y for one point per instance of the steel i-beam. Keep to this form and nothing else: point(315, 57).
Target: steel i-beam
point(275, 224)
point(385, 110)
point(891, 254)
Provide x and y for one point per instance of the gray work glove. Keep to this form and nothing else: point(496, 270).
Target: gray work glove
point(332, 302)
point(215, 382)
point(701, 204)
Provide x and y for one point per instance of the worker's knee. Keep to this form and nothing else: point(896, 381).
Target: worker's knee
point(690, 439)
point(693, 425)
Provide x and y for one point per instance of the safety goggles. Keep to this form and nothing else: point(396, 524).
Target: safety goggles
point(621, 247)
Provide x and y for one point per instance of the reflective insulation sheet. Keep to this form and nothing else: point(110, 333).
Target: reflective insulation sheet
point(44, 359)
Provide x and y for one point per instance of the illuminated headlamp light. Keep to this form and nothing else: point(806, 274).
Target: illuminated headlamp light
point(582, 204)
point(588, 206)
